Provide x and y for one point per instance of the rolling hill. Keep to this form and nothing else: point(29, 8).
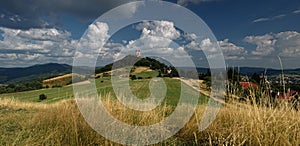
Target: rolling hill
point(129, 60)
point(249, 71)
point(17, 75)
point(44, 71)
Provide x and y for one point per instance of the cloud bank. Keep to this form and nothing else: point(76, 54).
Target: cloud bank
point(47, 13)
point(43, 45)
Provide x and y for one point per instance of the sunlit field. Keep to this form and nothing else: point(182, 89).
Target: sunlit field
point(28, 121)
point(62, 124)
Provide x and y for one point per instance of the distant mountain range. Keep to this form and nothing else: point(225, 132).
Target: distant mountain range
point(249, 71)
point(16, 75)
point(43, 71)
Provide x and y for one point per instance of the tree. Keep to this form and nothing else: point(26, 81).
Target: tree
point(256, 77)
point(208, 73)
point(159, 74)
point(133, 77)
point(232, 75)
point(42, 97)
point(174, 72)
point(11, 86)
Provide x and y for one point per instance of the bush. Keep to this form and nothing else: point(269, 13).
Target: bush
point(133, 77)
point(166, 75)
point(159, 74)
point(140, 78)
point(42, 97)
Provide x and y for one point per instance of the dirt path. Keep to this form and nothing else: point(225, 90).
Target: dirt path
point(196, 84)
point(80, 83)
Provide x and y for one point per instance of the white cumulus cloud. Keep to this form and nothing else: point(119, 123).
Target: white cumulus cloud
point(284, 43)
point(91, 44)
point(164, 29)
point(229, 50)
point(156, 37)
point(35, 46)
point(232, 51)
point(265, 44)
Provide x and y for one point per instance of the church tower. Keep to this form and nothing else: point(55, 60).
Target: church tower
point(138, 53)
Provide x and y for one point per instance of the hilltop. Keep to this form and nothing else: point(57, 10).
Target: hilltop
point(129, 61)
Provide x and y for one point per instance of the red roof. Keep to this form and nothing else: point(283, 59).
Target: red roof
point(289, 95)
point(246, 85)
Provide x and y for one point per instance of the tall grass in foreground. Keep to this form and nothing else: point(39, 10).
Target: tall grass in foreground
point(62, 124)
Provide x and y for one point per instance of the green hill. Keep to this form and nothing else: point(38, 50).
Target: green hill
point(131, 60)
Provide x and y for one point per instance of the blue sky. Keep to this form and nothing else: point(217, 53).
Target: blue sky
point(250, 33)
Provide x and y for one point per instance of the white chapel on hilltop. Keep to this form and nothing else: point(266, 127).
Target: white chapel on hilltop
point(138, 53)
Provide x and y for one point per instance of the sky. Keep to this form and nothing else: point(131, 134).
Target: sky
point(249, 33)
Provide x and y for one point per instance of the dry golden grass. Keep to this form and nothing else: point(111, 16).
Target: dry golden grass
point(141, 69)
point(62, 124)
point(254, 125)
point(59, 80)
point(60, 77)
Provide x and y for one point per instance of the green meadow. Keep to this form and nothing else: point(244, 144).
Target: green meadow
point(25, 120)
point(139, 87)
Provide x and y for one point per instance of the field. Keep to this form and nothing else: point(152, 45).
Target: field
point(139, 87)
point(24, 120)
point(62, 124)
point(53, 95)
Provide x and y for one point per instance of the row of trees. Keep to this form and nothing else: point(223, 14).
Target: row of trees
point(19, 87)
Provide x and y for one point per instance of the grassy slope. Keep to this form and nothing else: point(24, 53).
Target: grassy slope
point(140, 88)
point(62, 124)
point(66, 92)
point(53, 94)
point(145, 72)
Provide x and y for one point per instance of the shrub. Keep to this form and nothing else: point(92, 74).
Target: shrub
point(159, 74)
point(140, 78)
point(42, 97)
point(166, 75)
point(133, 77)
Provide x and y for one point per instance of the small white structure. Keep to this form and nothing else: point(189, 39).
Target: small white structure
point(138, 53)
